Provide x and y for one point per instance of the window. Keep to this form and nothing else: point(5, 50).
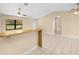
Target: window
point(13, 24)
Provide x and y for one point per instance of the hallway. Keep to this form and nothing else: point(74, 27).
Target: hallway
point(57, 45)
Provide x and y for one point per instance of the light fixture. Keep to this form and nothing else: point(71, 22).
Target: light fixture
point(25, 4)
point(76, 9)
point(19, 13)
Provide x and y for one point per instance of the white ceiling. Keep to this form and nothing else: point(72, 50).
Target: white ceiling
point(35, 10)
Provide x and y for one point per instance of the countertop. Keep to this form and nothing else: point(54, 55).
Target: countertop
point(17, 32)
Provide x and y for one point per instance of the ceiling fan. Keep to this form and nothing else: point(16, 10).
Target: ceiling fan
point(19, 13)
point(75, 10)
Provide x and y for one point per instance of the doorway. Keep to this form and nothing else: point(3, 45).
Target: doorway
point(57, 25)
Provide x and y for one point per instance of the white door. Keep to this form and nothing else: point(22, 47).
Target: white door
point(57, 25)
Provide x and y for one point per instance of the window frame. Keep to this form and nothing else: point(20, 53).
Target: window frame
point(15, 25)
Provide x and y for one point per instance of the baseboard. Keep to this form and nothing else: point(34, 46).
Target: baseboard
point(71, 37)
point(27, 52)
point(48, 33)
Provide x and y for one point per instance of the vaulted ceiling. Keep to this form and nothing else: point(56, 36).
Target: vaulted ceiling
point(34, 10)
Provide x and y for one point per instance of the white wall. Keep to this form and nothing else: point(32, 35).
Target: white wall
point(69, 22)
point(27, 22)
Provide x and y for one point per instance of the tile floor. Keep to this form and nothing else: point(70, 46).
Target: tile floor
point(57, 45)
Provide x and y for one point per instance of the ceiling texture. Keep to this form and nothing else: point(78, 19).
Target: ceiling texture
point(34, 10)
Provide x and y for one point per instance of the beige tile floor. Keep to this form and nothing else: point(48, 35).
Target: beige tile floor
point(57, 45)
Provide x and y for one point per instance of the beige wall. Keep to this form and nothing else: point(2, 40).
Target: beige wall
point(69, 22)
point(27, 22)
point(20, 43)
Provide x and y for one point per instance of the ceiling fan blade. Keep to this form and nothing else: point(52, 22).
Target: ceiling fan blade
point(24, 15)
point(74, 9)
point(25, 4)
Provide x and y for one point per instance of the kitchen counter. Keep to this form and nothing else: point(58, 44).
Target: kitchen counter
point(18, 32)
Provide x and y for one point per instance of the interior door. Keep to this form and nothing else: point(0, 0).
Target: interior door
point(57, 25)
